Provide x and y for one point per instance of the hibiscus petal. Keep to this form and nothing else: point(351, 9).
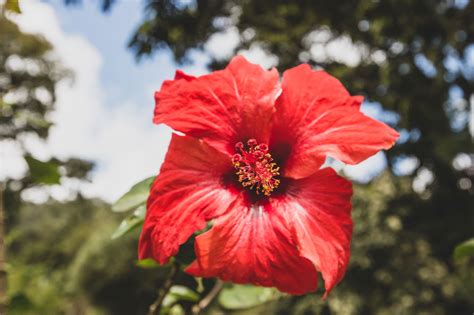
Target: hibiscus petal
point(188, 192)
point(318, 208)
point(253, 245)
point(316, 117)
point(223, 107)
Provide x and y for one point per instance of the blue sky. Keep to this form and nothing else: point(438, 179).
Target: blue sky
point(123, 78)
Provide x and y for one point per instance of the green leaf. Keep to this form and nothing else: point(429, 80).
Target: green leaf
point(238, 297)
point(148, 264)
point(13, 6)
point(135, 197)
point(130, 223)
point(464, 249)
point(173, 310)
point(180, 293)
point(43, 172)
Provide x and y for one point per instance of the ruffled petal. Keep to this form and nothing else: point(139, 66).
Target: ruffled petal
point(316, 117)
point(253, 245)
point(188, 192)
point(223, 107)
point(318, 208)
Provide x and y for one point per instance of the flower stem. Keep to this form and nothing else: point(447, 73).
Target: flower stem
point(208, 298)
point(155, 308)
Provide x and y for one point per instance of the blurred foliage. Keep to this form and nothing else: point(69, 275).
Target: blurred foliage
point(29, 73)
point(28, 77)
point(27, 82)
point(62, 261)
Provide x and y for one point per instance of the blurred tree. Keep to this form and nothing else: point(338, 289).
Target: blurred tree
point(73, 266)
point(416, 59)
point(28, 75)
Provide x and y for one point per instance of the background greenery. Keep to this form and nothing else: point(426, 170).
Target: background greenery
point(61, 259)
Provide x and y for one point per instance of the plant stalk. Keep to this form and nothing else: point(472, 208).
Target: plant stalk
point(3, 271)
point(208, 298)
point(155, 308)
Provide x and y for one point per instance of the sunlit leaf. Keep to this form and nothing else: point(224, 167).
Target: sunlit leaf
point(148, 264)
point(130, 223)
point(135, 197)
point(43, 172)
point(464, 249)
point(238, 297)
point(13, 6)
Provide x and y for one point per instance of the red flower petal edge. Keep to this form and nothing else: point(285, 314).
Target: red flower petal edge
point(316, 117)
point(253, 244)
point(221, 107)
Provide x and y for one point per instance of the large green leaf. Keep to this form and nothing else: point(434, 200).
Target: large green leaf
point(43, 172)
point(135, 197)
point(130, 223)
point(464, 249)
point(238, 297)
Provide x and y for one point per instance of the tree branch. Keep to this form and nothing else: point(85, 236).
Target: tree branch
point(208, 298)
point(3, 271)
point(155, 308)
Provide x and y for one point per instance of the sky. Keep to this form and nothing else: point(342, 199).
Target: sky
point(104, 114)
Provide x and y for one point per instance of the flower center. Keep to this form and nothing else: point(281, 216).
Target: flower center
point(255, 167)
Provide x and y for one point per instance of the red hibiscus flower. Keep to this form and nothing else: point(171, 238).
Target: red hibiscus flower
point(250, 160)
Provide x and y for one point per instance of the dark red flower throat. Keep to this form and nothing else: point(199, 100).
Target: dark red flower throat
point(255, 167)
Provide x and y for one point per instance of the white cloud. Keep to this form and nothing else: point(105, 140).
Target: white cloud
point(368, 169)
point(120, 139)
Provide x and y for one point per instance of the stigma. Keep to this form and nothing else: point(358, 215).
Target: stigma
point(255, 167)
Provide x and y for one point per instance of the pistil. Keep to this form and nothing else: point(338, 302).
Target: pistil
point(255, 167)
